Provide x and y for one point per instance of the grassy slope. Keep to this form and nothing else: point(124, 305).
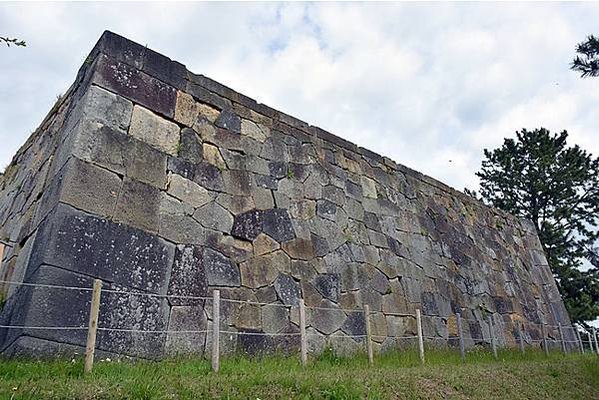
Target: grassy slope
point(394, 376)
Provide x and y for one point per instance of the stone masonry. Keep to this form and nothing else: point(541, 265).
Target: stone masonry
point(160, 181)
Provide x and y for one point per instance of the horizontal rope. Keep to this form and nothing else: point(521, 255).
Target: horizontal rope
point(53, 328)
point(43, 285)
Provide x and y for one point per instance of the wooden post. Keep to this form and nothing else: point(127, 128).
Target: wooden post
point(420, 338)
point(595, 339)
point(368, 335)
point(303, 339)
point(94, 313)
point(590, 342)
point(492, 334)
point(521, 338)
point(461, 337)
point(544, 333)
point(579, 341)
point(216, 330)
point(561, 337)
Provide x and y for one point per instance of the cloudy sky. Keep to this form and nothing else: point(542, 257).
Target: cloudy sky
point(429, 85)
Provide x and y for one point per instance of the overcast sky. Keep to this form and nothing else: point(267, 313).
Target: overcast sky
point(429, 85)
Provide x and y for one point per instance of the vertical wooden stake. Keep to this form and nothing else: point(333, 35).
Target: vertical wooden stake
point(303, 339)
point(579, 341)
point(461, 337)
point(368, 335)
point(94, 313)
point(420, 338)
point(521, 338)
point(216, 330)
point(544, 333)
point(561, 337)
point(590, 342)
point(492, 334)
point(595, 338)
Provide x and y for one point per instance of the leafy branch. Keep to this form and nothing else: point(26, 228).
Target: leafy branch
point(12, 41)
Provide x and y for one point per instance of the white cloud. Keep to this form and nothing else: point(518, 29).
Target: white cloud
point(421, 83)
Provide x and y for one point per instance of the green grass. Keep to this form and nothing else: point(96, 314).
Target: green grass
point(395, 375)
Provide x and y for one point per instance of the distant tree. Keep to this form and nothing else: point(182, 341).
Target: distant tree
point(14, 41)
point(587, 60)
point(538, 177)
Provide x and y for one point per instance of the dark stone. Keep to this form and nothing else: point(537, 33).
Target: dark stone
point(321, 246)
point(248, 225)
point(353, 189)
point(326, 209)
point(229, 121)
point(503, 305)
point(355, 324)
point(429, 304)
point(208, 176)
point(277, 225)
point(267, 182)
point(288, 290)
point(277, 169)
point(113, 252)
point(181, 167)
point(136, 86)
point(163, 68)
point(121, 49)
point(329, 285)
point(396, 247)
point(220, 271)
point(251, 342)
point(372, 221)
point(191, 146)
point(329, 156)
point(188, 277)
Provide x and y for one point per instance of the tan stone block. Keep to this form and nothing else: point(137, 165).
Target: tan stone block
point(303, 210)
point(255, 131)
point(154, 130)
point(301, 249)
point(186, 109)
point(210, 113)
point(264, 244)
point(188, 191)
point(368, 187)
point(212, 155)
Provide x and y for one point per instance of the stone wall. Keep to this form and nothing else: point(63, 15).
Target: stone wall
point(159, 181)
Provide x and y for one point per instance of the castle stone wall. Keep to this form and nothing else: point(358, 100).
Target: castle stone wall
point(162, 182)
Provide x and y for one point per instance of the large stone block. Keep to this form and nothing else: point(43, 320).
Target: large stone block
point(154, 130)
point(94, 246)
point(135, 85)
point(188, 277)
point(139, 206)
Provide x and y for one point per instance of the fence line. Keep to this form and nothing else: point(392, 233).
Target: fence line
point(216, 332)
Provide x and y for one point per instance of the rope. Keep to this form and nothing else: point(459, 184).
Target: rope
point(47, 286)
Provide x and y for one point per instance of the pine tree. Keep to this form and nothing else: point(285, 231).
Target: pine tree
point(538, 177)
point(587, 62)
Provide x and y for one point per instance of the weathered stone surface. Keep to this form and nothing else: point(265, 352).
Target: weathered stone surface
point(154, 130)
point(368, 187)
point(188, 191)
point(329, 285)
point(264, 244)
point(139, 206)
point(215, 217)
point(228, 120)
point(90, 188)
point(190, 147)
point(94, 246)
point(219, 269)
point(326, 209)
point(299, 248)
point(355, 324)
point(248, 225)
point(277, 225)
point(212, 156)
point(274, 318)
point(186, 110)
point(186, 318)
point(101, 106)
point(188, 278)
point(176, 223)
point(327, 318)
point(253, 130)
point(287, 289)
point(135, 85)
